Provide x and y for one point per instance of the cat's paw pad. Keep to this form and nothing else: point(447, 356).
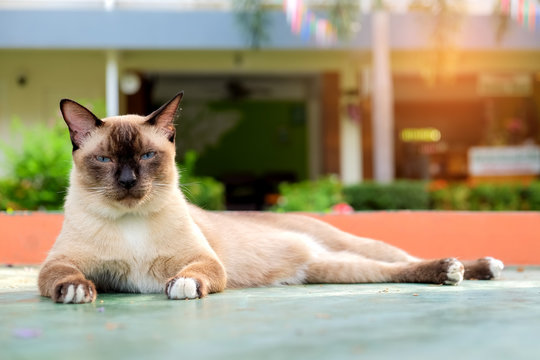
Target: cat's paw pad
point(495, 267)
point(182, 288)
point(454, 271)
point(75, 292)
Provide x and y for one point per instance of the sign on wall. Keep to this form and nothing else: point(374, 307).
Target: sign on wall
point(504, 85)
point(504, 160)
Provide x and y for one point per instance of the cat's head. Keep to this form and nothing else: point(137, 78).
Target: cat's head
point(122, 162)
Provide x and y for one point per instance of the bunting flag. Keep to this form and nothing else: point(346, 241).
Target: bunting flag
point(533, 13)
point(308, 25)
point(525, 12)
point(505, 6)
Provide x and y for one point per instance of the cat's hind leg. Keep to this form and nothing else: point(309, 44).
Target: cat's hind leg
point(338, 240)
point(371, 248)
point(345, 267)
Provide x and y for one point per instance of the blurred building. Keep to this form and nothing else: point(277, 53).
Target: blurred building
point(292, 109)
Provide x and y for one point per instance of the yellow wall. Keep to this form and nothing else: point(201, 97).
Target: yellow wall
point(50, 76)
point(243, 61)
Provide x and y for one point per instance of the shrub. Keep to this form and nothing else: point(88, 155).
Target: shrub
point(533, 195)
point(205, 192)
point(37, 167)
point(316, 196)
point(487, 197)
point(413, 195)
point(450, 197)
point(394, 196)
point(496, 197)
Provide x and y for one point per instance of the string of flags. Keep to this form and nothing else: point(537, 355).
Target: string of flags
point(307, 24)
point(525, 12)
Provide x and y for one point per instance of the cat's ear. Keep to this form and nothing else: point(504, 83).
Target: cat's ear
point(79, 120)
point(164, 117)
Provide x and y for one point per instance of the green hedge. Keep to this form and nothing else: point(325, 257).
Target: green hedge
point(205, 192)
point(37, 167)
point(395, 196)
point(451, 197)
point(487, 197)
point(316, 196)
point(322, 195)
point(533, 194)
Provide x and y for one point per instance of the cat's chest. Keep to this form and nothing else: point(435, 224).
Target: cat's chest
point(127, 260)
point(135, 238)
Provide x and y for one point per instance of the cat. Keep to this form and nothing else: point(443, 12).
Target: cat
point(128, 228)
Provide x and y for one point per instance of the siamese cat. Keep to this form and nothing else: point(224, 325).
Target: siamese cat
point(128, 228)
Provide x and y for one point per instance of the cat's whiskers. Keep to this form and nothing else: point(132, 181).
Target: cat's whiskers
point(146, 199)
point(98, 188)
point(185, 188)
point(100, 192)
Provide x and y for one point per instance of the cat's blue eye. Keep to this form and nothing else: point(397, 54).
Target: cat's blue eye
point(103, 159)
point(148, 155)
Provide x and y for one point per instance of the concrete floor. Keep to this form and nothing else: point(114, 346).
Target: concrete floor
point(476, 320)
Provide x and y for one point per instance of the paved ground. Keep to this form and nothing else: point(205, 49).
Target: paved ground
point(476, 320)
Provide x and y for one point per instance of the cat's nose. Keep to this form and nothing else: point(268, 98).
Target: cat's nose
point(128, 184)
point(127, 178)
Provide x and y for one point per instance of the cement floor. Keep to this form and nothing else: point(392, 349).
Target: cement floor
point(476, 320)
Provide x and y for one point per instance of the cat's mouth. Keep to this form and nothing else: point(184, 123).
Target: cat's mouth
point(130, 198)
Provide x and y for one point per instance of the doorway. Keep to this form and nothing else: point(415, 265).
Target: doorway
point(249, 132)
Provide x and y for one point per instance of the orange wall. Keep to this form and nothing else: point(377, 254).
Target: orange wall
point(511, 237)
point(27, 237)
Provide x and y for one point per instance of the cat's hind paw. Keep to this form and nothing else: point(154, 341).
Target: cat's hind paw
point(182, 288)
point(495, 266)
point(486, 268)
point(75, 292)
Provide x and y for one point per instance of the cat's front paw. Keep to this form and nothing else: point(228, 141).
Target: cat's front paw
point(74, 292)
point(182, 288)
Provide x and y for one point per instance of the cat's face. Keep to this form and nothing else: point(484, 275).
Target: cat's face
point(125, 161)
